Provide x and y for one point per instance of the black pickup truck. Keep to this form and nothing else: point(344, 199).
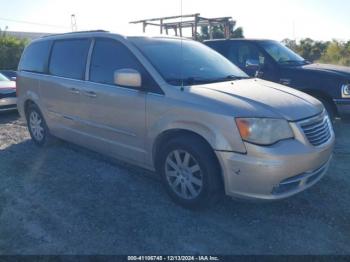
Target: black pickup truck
point(271, 60)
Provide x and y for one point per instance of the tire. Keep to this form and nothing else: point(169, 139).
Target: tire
point(37, 127)
point(190, 172)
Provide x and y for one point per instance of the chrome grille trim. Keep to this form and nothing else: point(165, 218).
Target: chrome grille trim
point(300, 181)
point(317, 130)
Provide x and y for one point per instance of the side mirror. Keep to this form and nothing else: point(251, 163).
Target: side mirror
point(252, 64)
point(127, 77)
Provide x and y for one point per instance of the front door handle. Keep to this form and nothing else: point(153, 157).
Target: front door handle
point(74, 90)
point(90, 93)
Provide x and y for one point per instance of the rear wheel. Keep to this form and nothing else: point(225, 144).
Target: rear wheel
point(190, 172)
point(37, 127)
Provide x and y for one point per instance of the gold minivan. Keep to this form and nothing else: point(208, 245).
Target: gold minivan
point(175, 106)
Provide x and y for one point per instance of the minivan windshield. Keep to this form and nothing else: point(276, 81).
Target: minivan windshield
point(187, 62)
point(281, 54)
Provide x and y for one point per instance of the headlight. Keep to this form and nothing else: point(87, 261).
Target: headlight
point(345, 90)
point(264, 131)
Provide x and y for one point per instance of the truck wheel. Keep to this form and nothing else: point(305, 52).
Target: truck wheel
point(37, 127)
point(190, 172)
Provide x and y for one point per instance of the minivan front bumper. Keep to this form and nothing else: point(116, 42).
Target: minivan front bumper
point(277, 171)
point(8, 103)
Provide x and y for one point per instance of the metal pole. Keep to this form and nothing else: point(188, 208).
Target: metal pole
point(195, 26)
point(73, 21)
point(227, 30)
point(210, 30)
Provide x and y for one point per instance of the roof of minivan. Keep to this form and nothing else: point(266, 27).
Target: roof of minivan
point(239, 39)
point(96, 33)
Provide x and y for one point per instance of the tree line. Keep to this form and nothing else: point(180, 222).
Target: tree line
point(331, 52)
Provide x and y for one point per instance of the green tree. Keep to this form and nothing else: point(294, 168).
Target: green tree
point(218, 32)
point(11, 49)
point(332, 52)
point(291, 44)
point(337, 53)
point(309, 49)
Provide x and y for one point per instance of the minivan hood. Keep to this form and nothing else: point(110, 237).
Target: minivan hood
point(260, 98)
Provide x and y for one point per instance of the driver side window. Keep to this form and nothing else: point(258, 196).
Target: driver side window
point(110, 55)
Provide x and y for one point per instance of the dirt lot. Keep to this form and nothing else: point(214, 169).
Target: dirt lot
point(67, 200)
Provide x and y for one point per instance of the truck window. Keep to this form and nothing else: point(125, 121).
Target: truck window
point(35, 57)
point(68, 58)
point(239, 53)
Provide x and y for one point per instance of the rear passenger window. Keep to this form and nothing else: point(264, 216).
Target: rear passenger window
point(68, 58)
point(35, 57)
point(110, 55)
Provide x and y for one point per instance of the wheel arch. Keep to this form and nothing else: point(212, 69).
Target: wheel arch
point(322, 95)
point(169, 134)
point(28, 103)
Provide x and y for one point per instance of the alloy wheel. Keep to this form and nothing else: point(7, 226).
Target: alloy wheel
point(36, 126)
point(183, 174)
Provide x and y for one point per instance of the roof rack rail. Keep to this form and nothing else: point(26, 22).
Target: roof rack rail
point(77, 32)
point(192, 21)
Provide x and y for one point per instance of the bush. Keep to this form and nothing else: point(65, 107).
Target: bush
point(337, 52)
point(11, 49)
point(334, 52)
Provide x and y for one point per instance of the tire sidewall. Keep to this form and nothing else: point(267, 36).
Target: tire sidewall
point(45, 132)
point(206, 192)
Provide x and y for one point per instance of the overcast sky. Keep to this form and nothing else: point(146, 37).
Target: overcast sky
point(274, 19)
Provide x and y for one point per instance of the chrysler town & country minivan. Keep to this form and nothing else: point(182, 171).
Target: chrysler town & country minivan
point(177, 107)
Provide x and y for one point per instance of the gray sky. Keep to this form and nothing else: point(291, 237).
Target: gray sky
point(275, 19)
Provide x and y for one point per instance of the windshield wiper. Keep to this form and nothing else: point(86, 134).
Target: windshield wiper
point(294, 62)
point(187, 81)
point(229, 78)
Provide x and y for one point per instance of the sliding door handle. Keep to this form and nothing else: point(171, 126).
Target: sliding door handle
point(74, 90)
point(90, 93)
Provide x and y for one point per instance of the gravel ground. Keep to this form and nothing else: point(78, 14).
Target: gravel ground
point(68, 200)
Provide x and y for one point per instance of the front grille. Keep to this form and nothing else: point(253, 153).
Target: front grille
point(317, 130)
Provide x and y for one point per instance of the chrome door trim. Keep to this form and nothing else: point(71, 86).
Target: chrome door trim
point(88, 60)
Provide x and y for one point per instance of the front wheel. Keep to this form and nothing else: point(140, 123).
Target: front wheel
point(190, 172)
